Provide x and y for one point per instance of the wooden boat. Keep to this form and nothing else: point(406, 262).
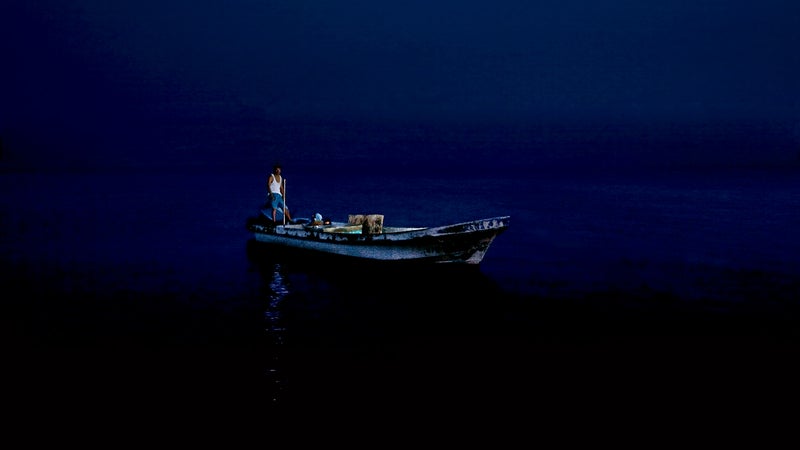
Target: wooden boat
point(365, 237)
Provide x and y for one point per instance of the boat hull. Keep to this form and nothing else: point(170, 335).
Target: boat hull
point(463, 243)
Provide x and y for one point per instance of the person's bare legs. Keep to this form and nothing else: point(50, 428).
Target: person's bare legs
point(288, 216)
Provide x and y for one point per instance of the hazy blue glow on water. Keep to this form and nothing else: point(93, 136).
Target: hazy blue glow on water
point(184, 232)
point(154, 272)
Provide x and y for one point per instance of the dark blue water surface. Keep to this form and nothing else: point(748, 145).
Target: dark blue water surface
point(143, 291)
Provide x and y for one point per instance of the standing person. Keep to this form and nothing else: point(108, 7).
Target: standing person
point(275, 187)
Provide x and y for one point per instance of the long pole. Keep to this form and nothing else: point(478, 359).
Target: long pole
point(283, 180)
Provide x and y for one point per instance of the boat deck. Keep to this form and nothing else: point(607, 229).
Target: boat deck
point(343, 228)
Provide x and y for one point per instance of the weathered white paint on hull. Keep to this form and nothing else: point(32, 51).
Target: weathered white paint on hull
point(465, 243)
point(360, 251)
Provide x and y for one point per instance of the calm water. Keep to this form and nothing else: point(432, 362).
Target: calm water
point(141, 289)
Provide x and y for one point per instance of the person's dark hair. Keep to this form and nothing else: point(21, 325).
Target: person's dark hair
point(276, 167)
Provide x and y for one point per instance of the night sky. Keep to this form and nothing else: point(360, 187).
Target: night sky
point(94, 83)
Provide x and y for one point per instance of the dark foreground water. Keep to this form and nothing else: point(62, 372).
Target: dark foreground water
point(136, 303)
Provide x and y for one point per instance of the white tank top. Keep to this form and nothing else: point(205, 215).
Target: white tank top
point(275, 185)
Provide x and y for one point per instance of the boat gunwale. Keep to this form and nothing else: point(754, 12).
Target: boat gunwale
point(299, 231)
point(465, 242)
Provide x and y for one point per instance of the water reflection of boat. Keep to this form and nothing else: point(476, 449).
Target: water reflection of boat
point(334, 324)
point(355, 289)
point(277, 291)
